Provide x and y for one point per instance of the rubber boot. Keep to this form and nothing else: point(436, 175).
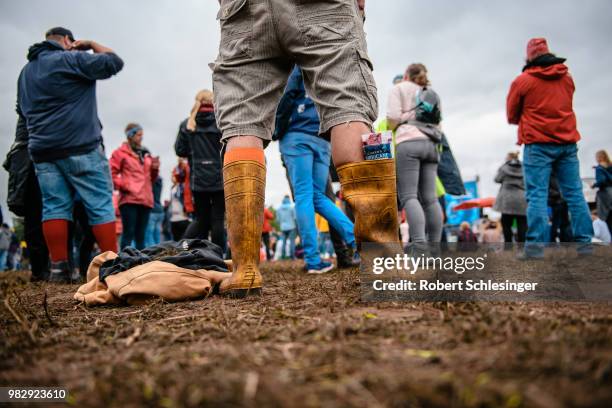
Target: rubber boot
point(369, 188)
point(244, 182)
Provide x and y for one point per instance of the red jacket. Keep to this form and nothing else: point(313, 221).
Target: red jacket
point(540, 102)
point(268, 216)
point(133, 179)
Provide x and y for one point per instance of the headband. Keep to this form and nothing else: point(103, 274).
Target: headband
point(132, 132)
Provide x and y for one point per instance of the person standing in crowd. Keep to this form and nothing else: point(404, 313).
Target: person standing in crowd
point(266, 230)
point(156, 218)
point(600, 228)
point(510, 201)
point(307, 158)
point(134, 171)
point(5, 243)
point(181, 205)
point(540, 102)
point(285, 215)
point(339, 79)
point(25, 200)
point(56, 95)
point(416, 157)
point(199, 140)
point(603, 183)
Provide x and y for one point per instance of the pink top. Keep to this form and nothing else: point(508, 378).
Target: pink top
point(400, 107)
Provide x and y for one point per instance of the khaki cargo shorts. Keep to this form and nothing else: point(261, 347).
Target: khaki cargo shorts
point(261, 40)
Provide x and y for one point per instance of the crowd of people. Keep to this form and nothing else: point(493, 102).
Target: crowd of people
point(59, 165)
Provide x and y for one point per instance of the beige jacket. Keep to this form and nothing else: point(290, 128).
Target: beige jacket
point(145, 282)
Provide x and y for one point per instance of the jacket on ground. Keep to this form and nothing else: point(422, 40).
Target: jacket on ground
point(540, 102)
point(202, 148)
point(133, 177)
point(56, 94)
point(511, 196)
point(145, 282)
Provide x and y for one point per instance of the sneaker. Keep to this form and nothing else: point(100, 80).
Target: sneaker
point(322, 267)
point(60, 272)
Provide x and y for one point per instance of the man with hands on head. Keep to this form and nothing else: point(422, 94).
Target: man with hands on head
point(56, 95)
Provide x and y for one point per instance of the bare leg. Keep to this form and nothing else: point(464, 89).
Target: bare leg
point(244, 142)
point(346, 142)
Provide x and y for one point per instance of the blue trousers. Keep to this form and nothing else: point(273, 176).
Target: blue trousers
point(539, 160)
point(307, 160)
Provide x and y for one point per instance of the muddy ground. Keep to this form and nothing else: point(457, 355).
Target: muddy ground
point(307, 342)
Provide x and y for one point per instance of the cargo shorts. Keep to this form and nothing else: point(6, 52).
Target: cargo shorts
point(261, 40)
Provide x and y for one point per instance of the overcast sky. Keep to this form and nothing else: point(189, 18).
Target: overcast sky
point(473, 50)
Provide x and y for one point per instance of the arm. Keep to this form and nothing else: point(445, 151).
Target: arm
point(181, 145)
point(116, 165)
point(154, 168)
point(514, 103)
point(102, 64)
point(499, 178)
point(394, 108)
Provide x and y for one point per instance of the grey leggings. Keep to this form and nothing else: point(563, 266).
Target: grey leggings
point(417, 166)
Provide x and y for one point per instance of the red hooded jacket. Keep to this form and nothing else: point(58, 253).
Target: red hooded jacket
point(540, 102)
point(133, 179)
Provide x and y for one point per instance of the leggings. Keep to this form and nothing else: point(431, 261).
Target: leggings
point(417, 166)
point(521, 225)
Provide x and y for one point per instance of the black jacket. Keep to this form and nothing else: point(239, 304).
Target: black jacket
point(19, 166)
point(203, 150)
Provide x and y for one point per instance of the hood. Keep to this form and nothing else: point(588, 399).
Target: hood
point(205, 119)
point(552, 72)
point(547, 66)
point(35, 50)
point(286, 201)
point(514, 168)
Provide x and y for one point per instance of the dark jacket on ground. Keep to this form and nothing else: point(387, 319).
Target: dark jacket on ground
point(202, 148)
point(56, 94)
point(511, 196)
point(187, 253)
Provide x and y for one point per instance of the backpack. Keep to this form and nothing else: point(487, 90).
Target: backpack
point(427, 107)
point(427, 114)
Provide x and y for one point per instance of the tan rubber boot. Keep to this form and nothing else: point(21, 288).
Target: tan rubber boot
point(244, 182)
point(369, 188)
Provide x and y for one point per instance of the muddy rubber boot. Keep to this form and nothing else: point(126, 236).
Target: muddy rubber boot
point(369, 188)
point(244, 182)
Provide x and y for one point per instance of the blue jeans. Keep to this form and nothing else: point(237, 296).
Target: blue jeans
point(153, 233)
point(87, 175)
point(307, 160)
point(539, 160)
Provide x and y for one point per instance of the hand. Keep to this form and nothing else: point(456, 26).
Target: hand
point(155, 163)
point(82, 45)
